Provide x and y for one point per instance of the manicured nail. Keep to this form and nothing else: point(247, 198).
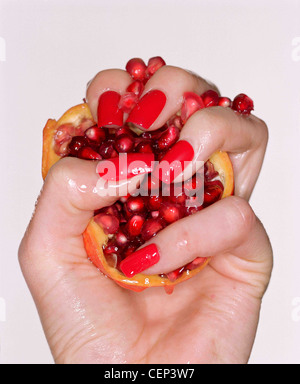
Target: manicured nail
point(175, 161)
point(139, 261)
point(109, 114)
point(126, 166)
point(148, 109)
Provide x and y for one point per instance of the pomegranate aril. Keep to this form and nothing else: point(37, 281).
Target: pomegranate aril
point(154, 64)
point(136, 87)
point(151, 228)
point(191, 104)
point(128, 101)
point(121, 238)
point(124, 144)
point(110, 224)
point(134, 225)
point(154, 203)
point(209, 171)
point(196, 263)
point(111, 248)
point(171, 212)
point(225, 102)
point(210, 98)
point(137, 69)
point(77, 143)
point(122, 131)
point(194, 185)
point(144, 147)
point(168, 138)
point(107, 150)
point(243, 104)
point(212, 192)
point(95, 134)
point(135, 204)
point(88, 153)
point(174, 275)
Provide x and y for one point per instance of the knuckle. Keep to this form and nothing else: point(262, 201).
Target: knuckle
point(242, 217)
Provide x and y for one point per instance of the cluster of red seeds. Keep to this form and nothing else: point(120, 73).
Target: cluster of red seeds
point(132, 221)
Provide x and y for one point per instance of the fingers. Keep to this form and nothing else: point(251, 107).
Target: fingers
point(227, 226)
point(115, 80)
point(162, 97)
point(217, 128)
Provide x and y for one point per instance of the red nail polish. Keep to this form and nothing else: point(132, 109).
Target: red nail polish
point(175, 161)
point(109, 114)
point(126, 166)
point(140, 261)
point(148, 109)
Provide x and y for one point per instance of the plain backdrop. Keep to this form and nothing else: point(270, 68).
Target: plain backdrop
point(50, 49)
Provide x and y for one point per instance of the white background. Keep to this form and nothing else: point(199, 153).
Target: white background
point(53, 48)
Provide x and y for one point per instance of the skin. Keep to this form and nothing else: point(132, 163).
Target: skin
point(211, 318)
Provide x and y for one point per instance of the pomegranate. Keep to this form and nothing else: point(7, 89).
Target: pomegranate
point(117, 231)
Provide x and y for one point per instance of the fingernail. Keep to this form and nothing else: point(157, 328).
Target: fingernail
point(109, 114)
point(141, 260)
point(148, 109)
point(126, 166)
point(175, 161)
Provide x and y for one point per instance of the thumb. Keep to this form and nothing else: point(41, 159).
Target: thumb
point(67, 203)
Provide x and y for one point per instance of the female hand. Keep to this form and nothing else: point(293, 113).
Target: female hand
point(211, 318)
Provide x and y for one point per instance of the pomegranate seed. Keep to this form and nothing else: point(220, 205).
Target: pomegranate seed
point(111, 248)
point(107, 150)
point(154, 214)
point(77, 143)
point(144, 147)
point(209, 171)
point(135, 204)
point(88, 153)
point(213, 191)
point(210, 98)
point(121, 239)
point(137, 69)
point(110, 224)
point(128, 101)
point(151, 228)
point(173, 276)
point(136, 87)
point(196, 263)
point(171, 212)
point(192, 103)
point(154, 64)
point(191, 210)
point(124, 144)
point(225, 102)
point(168, 138)
point(193, 185)
point(154, 203)
point(111, 210)
point(96, 134)
point(123, 131)
point(243, 104)
point(134, 225)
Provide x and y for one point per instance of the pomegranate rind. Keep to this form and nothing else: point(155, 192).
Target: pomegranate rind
point(74, 116)
point(94, 237)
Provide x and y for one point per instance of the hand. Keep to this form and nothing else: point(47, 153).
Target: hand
point(211, 318)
